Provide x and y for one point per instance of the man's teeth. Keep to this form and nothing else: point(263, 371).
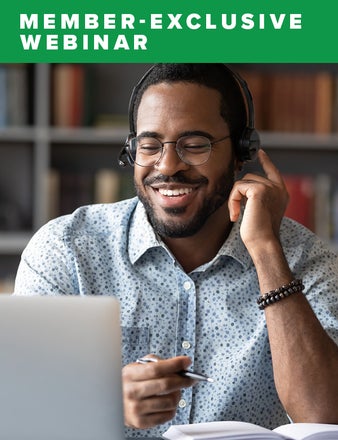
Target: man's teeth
point(174, 192)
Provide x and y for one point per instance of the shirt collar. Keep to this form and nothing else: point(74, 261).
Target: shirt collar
point(142, 237)
point(234, 247)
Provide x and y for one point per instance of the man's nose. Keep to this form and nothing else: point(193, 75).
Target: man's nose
point(170, 162)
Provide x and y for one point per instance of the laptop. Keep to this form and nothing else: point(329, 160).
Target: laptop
point(60, 368)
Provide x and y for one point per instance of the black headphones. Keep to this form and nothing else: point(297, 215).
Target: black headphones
point(248, 143)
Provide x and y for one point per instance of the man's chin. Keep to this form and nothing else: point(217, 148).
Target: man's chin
point(175, 223)
point(175, 212)
point(174, 229)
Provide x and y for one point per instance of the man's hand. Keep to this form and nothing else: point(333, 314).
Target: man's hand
point(151, 392)
point(265, 200)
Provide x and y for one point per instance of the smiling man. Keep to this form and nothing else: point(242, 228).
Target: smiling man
point(209, 273)
point(189, 181)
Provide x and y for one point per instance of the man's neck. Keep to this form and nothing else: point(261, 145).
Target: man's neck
point(192, 252)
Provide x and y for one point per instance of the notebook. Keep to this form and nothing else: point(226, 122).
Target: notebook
point(60, 368)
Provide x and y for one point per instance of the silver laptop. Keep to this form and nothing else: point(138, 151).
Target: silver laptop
point(60, 368)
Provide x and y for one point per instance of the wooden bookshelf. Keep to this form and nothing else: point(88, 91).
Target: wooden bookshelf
point(42, 151)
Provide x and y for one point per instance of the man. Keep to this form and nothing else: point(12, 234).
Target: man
point(188, 259)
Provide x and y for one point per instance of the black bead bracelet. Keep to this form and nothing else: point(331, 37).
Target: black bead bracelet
point(282, 292)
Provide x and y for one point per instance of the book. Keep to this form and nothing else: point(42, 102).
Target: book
point(76, 189)
point(335, 214)
point(323, 221)
point(335, 105)
point(68, 95)
point(301, 199)
point(107, 186)
point(233, 430)
point(17, 89)
point(53, 190)
point(3, 96)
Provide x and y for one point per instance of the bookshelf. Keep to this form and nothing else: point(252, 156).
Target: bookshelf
point(42, 154)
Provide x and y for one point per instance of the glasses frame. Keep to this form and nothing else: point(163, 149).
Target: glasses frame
point(179, 151)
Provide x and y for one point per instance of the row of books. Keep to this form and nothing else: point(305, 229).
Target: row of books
point(298, 101)
point(284, 101)
point(15, 93)
point(74, 98)
point(292, 101)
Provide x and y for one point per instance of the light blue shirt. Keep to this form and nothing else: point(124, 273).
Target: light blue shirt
point(210, 314)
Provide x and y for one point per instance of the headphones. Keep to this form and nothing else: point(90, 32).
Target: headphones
point(247, 145)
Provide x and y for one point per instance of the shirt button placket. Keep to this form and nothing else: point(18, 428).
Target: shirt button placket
point(187, 338)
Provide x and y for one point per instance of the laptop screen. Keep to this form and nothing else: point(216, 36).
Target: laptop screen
point(60, 369)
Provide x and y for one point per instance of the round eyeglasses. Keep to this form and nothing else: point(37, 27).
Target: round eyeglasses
point(193, 149)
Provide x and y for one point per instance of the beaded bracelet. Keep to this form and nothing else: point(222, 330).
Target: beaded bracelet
point(282, 292)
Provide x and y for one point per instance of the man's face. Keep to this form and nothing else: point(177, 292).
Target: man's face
point(180, 198)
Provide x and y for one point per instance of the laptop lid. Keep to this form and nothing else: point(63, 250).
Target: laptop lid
point(60, 368)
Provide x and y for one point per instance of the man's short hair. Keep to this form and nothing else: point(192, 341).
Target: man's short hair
point(215, 76)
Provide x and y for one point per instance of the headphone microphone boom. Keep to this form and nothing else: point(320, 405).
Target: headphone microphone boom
point(248, 143)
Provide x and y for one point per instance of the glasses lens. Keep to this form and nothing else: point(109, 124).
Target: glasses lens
point(194, 150)
point(145, 151)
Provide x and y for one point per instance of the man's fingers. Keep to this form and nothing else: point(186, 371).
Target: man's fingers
point(153, 411)
point(272, 173)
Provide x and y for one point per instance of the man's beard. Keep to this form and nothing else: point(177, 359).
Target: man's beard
point(176, 228)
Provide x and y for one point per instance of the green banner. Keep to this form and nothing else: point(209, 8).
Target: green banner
point(169, 31)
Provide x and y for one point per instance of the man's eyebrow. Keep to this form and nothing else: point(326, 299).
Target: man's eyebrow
point(184, 133)
point(149, 134)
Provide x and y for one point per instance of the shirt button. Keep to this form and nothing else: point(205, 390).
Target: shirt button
point(182, 403)
point(187, 285)
point(186, 345)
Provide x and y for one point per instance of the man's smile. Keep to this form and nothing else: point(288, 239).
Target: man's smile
point(174, 192)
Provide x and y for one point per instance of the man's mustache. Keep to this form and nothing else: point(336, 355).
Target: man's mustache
point(176, 178)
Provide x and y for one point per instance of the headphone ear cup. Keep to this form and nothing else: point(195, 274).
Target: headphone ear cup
point(124, 158)
point(248, 144)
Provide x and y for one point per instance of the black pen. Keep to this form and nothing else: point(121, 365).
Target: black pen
point(186, 373)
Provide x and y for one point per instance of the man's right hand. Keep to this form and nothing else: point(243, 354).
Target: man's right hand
point(151, 391)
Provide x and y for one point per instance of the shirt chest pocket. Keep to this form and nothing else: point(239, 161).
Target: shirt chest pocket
point(135, 343)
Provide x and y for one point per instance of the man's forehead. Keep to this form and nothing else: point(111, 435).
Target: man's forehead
point(178, 107)
point(178, 86)
point(179, 95)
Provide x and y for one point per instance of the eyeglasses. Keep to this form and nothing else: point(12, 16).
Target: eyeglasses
point(192, 150)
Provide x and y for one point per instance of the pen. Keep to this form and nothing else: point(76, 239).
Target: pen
point(186, 373)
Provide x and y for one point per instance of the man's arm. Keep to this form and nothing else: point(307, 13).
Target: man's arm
point(305, 358)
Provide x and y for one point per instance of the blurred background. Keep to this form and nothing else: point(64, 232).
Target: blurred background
point(63, 125)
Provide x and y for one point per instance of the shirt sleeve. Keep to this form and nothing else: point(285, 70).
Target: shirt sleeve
point(47, 266)
point(317, 264)
point(321, 286)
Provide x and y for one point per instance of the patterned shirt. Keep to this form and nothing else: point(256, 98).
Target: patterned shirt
point(210, 314)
